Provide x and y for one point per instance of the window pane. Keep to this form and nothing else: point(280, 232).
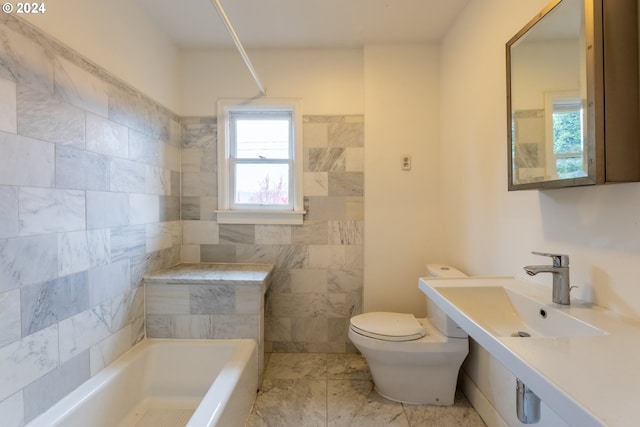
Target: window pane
point(262, 138)
point(567, 132)
point(570, 167)
point(262, 184)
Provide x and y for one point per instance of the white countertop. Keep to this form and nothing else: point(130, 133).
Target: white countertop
point(214, 273)
point(587, 380)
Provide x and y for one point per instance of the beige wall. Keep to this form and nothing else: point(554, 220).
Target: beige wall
point(327, 81)
point(401, 207)
point(117, 36)
point(550, 66)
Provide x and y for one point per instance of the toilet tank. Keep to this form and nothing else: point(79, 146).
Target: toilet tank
point(436, 316)
point(441, 270)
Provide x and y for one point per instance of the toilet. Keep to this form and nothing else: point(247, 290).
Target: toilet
point(413, 360)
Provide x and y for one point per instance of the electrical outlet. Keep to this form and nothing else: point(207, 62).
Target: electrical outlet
point(405, 162)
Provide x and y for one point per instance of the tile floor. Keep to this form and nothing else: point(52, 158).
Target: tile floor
point(334, 390)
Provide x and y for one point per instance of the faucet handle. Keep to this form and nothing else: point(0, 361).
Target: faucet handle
point(559, 260)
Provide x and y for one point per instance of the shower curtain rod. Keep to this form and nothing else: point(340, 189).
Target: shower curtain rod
point(241, 50)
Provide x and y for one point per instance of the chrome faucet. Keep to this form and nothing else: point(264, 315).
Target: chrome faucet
point(560, 272)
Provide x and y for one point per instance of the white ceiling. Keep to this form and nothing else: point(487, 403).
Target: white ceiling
point(195, 24)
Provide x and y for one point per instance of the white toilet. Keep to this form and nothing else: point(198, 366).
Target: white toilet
point(413, 360)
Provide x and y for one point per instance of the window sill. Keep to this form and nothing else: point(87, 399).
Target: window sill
point(260, 217)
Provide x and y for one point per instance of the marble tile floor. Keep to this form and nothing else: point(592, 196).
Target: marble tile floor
point(335, 390)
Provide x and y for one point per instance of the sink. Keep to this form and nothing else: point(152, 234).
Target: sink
point(504, 312)
point(506, 307)
point(574, 353)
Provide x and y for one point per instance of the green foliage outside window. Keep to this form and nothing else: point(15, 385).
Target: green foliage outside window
point(567, 132)
point(567, 139)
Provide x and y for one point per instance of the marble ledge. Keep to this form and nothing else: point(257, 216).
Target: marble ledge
point(214, 273)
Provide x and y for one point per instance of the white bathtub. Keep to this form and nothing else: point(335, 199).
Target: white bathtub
point(165, 383)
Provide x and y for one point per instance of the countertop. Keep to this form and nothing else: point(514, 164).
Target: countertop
point(214, 273)
point(587, 380)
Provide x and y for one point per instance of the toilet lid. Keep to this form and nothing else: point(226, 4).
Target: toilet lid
point(388, 326)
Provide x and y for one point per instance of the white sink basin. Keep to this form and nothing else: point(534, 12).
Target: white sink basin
point(581, 358)
point(504, 312)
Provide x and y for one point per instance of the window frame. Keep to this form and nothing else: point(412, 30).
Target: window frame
point(230, 213)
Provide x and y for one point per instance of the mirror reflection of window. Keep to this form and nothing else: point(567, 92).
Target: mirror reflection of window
point(564, 117)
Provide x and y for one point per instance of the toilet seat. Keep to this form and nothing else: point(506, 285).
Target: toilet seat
point(388, 326)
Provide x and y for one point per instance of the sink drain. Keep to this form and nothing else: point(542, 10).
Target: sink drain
point(521, 334)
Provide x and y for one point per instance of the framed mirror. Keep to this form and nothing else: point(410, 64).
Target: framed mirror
point(561, 91)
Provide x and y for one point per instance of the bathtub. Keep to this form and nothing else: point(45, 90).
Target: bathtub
point(165, 383)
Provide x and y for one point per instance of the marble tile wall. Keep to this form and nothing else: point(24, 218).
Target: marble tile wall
point(224, 311)
point(317, 284)
point(89, 203)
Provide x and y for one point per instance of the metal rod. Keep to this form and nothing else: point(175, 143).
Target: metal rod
point(241, 50)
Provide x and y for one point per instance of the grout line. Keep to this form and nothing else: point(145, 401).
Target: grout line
point(326, 390)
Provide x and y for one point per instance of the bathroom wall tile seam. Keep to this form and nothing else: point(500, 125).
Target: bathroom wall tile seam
point(89, 203)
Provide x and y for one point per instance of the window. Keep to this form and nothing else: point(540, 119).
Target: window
point(567, 140)
point(259, 162)
point(566, 129)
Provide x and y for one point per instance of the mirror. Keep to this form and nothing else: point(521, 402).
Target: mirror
point(548, 93)
point(557, 85)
